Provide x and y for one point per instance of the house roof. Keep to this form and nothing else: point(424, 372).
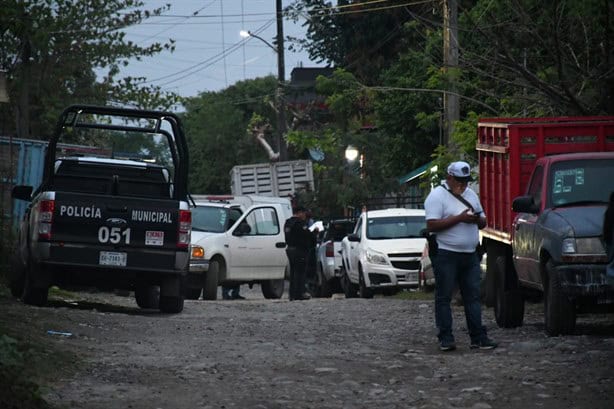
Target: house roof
point(416, 173)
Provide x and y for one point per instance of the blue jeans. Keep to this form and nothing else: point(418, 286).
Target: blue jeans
point(450, 268)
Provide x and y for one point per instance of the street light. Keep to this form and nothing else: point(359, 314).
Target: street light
point(281, 108)
point(246, 34)
point(351, 153)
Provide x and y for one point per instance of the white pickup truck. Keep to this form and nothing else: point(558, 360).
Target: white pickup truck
point(236, 240)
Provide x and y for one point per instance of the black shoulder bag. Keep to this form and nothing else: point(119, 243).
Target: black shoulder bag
point(479, 249)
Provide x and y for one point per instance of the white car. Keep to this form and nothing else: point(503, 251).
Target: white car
point(328, 257)
point(383, 254)
point(235, 244)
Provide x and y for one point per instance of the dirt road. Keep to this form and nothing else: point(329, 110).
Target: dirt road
point(323, 353)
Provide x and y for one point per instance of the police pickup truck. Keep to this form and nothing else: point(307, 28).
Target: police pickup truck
point(113, 216)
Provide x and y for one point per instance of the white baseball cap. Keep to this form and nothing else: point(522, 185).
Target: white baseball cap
point(460, 170)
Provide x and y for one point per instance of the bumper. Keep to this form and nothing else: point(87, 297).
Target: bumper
point(89, 258)
point(199, 266)
point(386, 276)
point(585, 280)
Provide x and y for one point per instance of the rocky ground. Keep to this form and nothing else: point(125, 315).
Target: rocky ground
point(321, 353)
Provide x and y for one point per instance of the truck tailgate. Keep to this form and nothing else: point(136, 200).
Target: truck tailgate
point(114, 231)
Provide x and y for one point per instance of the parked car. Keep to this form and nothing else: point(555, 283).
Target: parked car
point(328, 257)
point(383, 253)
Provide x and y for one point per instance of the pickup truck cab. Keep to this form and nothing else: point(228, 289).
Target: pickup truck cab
point(236, 240)
point(383, 253)
point(115, 216)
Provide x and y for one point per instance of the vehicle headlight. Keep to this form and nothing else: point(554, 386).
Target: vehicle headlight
point(375, 257)
point(197, 252)
point(589, 245)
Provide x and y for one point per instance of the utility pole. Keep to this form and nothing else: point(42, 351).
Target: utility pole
point(450, 61)
point(281, 74)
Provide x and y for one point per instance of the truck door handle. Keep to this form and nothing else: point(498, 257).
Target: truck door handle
point(280, 245)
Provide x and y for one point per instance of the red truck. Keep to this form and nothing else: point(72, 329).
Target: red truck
point(544, 185)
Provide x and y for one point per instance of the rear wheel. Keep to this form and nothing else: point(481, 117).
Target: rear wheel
point(16, 276)
point(171, 305)
point(211, 276)
point(363, 290)
point(171, 294)
point(273, 289)
point(559, 310)
point(323, 284)
point(33, 292)
point(509, 302)
point(147, 296)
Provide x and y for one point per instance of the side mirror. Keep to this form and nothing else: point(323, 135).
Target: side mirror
point(524, 204)
point(242, 229)
point(22, 192)
point(353, 237)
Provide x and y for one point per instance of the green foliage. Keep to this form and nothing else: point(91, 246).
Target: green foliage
point(218, 128)
point(52, 49)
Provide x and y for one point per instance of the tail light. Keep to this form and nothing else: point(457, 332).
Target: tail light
point(185, 229)
point(330, 249)
point(45, 219)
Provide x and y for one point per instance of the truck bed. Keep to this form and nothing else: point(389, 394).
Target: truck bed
point(507, 151)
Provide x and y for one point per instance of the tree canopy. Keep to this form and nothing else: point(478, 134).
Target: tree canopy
point(54, 52)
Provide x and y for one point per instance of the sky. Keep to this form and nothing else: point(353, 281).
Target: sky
point(210, 55)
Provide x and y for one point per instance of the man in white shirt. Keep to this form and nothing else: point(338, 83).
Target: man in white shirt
point(455, 214)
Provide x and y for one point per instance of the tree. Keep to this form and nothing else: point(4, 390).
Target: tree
point(536, 58)
point(51, 50)
point(216, 125)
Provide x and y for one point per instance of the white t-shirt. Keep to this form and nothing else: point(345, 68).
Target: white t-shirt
point(462, 237)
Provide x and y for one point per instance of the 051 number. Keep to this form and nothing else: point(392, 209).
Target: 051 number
point(113, 235)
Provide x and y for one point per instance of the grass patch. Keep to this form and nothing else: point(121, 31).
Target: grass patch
point(415, 295)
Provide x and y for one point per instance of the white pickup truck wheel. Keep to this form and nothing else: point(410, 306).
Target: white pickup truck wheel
point(210, 288)
point(273, 289)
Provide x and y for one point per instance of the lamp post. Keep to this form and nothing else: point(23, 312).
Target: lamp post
point(351, 153)
point(279, 94)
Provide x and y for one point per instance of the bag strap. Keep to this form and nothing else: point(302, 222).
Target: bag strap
point(461, 199)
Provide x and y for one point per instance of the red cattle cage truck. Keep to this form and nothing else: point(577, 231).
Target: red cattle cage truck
point(544, 185)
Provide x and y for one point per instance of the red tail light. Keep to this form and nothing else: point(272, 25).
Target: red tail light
point(185, 229)
point(45, 219)
point(330, 249)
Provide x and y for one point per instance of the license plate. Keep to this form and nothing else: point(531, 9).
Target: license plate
point(411, 277)
point(111, 258)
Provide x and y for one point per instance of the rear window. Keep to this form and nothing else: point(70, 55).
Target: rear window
point(336, 231)
point(122, 178)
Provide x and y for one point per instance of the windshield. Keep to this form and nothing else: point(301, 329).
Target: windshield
point(213, 219)
point(398, 227)
point(580, 181)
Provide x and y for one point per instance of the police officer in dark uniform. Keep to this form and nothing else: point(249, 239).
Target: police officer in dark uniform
point(298, 240)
